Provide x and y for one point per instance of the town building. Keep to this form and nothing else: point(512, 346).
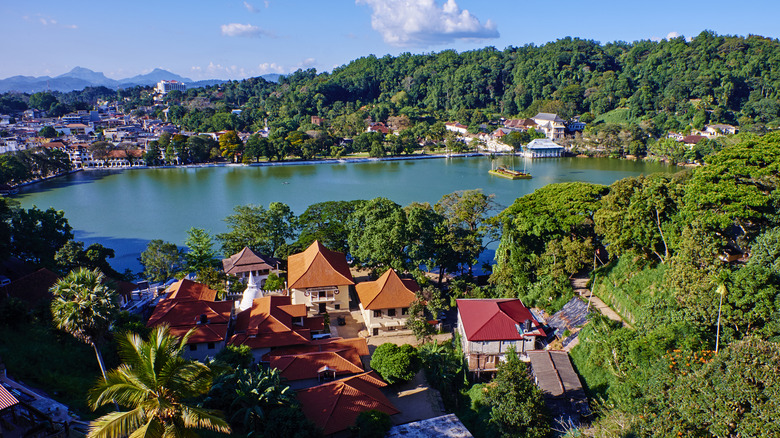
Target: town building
point(247, 262)
point(488, 328)
point(457, 128)
point(385, 303)
point(553, 126)
point(163, 87)
point(189, 305)
point(274, 321)
point(542, 148)
point(320, 279)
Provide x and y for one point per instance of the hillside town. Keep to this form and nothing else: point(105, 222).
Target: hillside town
point(126, 138)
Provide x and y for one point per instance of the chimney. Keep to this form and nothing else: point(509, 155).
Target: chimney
point(528, 325)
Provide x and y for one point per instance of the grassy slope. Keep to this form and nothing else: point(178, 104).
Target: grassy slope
point(52, 361)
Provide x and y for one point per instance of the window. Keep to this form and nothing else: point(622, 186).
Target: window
point(405, 311)
point(193, 347)
point(211, 345)
point(390, 312)
point(337, 306)
point(377, 313)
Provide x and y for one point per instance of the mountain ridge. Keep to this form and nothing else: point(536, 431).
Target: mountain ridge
point(79, 78)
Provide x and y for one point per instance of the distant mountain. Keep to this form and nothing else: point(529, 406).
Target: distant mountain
point(272, 77)
point(80, 78)
point(153, 77)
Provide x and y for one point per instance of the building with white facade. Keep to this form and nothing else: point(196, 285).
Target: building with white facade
point(163, 87)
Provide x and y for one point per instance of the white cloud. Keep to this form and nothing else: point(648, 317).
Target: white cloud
point(251, 8)
point(242, 30)
point(672, 35)
point(270, 67)
point(425, 22)
point(47, 22)
point(267, 4)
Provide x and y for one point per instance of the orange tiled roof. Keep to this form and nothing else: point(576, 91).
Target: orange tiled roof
point(357, 345)
point(190, 290)
point(183, 315)
point(203, 333)
point(335, 406)
point(318, 267)
point(176, 313)
point(307, 365)
point(388, 292)
point(247, 260)
point(268, 323)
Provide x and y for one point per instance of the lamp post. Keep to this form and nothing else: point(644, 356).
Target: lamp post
point(722, 292)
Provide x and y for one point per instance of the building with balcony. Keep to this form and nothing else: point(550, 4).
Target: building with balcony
point(490, 327)
point(320, 279)
point(385, 302)
point(163, 87)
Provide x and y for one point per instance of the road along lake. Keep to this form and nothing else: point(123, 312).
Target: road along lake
point(124, 209)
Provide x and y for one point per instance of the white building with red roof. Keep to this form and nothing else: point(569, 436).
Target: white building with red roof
point(320, 279)
point(488, 328)
point(385, 302)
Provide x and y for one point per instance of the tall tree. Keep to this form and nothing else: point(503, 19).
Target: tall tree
point(201, 252)
point(377, 234)
point(161, 260)
point(158, 385)
point(84, 306)
point(260, 229)
point(516, 404)
point(466, 213)
point(38, 234)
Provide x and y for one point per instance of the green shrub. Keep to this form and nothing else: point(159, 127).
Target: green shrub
point(395, 364)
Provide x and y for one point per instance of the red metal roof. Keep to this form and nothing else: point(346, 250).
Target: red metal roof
point(358, 345)
point(335, 406)
point(496, 319)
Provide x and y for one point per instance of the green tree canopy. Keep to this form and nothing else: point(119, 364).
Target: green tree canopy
point(84, 306)
point(395, 363)
point(161, 260)
point(158, 385)
point(377, 234)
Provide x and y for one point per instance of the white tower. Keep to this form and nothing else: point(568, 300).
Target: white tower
point(250, 294)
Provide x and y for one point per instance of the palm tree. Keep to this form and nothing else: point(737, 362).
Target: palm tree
point(255, 393)
point(154, 382)
point(85, 307)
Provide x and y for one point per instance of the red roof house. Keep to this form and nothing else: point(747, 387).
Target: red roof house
point(335, 406)
point(319, 278)
point(209, 319)
point(385, 302)
point(489, 327)
point(190, 290)
point(273, 322)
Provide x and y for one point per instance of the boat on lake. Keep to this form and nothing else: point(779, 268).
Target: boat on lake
point(509, 173)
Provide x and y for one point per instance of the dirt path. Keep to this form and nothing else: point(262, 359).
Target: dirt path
point(580, 287)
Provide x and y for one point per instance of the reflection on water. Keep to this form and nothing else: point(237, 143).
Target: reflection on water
point(125, 209)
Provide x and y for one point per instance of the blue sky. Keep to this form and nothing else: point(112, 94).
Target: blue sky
point(234, 39)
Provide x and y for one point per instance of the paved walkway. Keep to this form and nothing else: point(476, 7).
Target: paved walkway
point(580, 286)
point(415, 399)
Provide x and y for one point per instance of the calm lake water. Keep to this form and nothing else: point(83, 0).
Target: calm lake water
point(125, 209)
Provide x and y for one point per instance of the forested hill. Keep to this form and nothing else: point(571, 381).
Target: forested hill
point(737, 80)
point(666, 85)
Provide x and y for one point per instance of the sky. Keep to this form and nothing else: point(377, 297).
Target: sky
point(235, 39)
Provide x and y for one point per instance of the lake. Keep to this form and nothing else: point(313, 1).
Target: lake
point(124, 209)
